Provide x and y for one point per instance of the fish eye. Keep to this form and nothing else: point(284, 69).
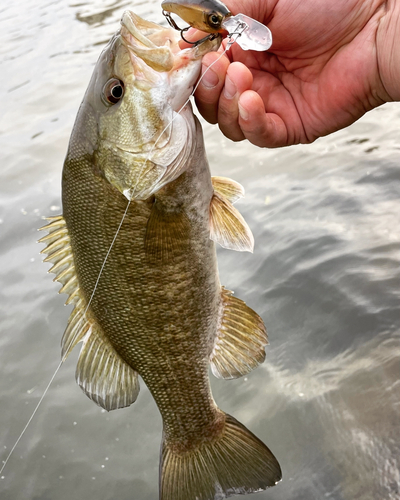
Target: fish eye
point(113, 90)
point(214, 19)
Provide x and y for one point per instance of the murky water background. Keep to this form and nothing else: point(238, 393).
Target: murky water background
point(324, 277)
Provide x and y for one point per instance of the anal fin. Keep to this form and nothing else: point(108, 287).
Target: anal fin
point(240, 341)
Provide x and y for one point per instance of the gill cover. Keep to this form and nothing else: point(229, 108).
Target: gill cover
point(129, 122)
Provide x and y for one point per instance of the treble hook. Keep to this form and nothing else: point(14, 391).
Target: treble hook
point(208, 37)
point(171, 22)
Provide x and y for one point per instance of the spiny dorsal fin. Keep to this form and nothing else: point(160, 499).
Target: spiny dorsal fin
point(227, 226)
point(240, 341)
point(167, 235)
point(59, 253)
point(102, 374)
point(228, 188)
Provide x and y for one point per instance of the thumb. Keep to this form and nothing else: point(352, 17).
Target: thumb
point(266, 130)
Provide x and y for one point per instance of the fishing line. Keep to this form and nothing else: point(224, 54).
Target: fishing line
point(237, 33)
point(232, 39)
point(228, 45)
point(31, 417)
point(65, 356)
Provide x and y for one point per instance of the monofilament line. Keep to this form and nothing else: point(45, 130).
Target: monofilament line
point(230, 42)
point(228, 46)
point(31, 417)
point(105, 260)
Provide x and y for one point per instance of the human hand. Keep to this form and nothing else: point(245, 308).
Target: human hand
point(330, 62)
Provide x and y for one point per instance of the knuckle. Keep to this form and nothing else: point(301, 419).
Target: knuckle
point(232, 132)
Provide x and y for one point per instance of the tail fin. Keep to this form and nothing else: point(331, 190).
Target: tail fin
point(235, 463)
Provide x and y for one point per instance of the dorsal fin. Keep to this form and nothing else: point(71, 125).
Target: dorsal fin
point(227, 226)
point(241, 339)
point(101, 373)
point(59, 253)
point(228, 188)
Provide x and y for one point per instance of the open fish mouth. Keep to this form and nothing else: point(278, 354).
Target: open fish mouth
point(158, 46)
point(159, 78)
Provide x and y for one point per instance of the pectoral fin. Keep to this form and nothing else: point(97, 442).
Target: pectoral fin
point(102, 374)
point(227, 226)
point(167, 235)
point(241, 339)
point(228, 188)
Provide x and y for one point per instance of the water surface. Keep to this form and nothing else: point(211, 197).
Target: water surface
point(324, 276)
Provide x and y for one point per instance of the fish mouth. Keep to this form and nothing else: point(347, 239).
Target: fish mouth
point(161, 77)
point(158, 46)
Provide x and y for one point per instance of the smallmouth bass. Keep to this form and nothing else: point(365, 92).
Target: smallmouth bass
point(155, 306)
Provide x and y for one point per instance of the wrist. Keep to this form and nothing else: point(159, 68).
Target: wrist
point(388, 50)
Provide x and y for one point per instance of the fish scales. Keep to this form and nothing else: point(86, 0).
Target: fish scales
point(159, 317)
point(155, 306)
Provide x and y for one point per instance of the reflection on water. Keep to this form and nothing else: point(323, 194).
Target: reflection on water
point(97, 12)
point(324, 276)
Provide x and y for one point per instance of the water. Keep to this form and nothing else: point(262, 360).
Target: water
point(324, 277)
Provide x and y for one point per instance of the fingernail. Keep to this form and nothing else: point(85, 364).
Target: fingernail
point(209, 77)
point(243, 113)
point(229, 88)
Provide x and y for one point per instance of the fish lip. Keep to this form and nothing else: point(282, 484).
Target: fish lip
point(166, 74)
point(148, 40)
point(135, 25)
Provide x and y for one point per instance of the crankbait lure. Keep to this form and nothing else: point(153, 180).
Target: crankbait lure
point(204, 15)
point(212, 16)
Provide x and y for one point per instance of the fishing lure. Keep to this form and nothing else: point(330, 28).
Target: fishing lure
point(212, 16)
point(204, 15)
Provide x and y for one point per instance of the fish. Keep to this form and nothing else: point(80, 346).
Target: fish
point(135, 251)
